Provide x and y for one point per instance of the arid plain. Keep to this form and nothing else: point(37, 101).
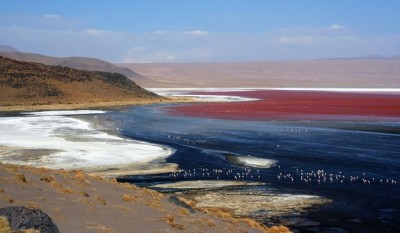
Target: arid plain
point(349, 73)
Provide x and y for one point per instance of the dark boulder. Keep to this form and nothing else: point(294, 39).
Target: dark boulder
point(22, 218)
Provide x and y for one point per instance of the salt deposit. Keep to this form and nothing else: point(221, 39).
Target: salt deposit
point(70, 143)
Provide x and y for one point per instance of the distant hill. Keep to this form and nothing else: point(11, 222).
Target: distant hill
point(82, 63)
point(372, 72)
point(6, 48)
point(26, 83)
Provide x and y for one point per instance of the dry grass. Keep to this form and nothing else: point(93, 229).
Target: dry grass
point(152, 193)
point(33, 205)
point(184, 212)
point(128, 198)
point(101, 199)
point(80, 176)
point(28, 231)
point(4, 225)
point(154, 202)
point(187, 201)
point(123, 208)
point(21, 177)
point(217, 212)
point(48, 178)
point(11, 168)
point(83, 194)
point(60, 188)
point(278, 229)
point(65, 174)
point(170, 219)
point(128, 186)
point(101, 228)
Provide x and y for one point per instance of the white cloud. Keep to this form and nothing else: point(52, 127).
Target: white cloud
point(195, 33)
point(198, 33)
point(96, 32)
point(199, 45)
point(336, 26)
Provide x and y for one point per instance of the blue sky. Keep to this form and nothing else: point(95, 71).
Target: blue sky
point(202, 31)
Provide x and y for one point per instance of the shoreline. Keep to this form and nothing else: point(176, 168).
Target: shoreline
point(79, 189)
point(54, 139)
point(90, 105)
point(106, 205)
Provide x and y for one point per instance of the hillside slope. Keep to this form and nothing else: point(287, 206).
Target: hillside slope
point(24, 83)
point(82, 63)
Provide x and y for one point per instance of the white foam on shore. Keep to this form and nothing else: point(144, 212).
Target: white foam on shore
point(205, 184)
point(186, 92)
point(65, 113)
point(166, 91)
point(75, 143)
point(219, 98)
point(256, 162)
point(349, 90)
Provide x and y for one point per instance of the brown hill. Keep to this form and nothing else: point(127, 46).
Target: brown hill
point(24, 83)
point(82, 63)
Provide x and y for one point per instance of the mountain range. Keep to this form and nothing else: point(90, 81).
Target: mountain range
point(82, 63)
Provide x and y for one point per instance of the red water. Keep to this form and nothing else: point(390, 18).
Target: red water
point(296, 105)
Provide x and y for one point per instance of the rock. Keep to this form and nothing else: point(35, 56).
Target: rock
point(22, 218)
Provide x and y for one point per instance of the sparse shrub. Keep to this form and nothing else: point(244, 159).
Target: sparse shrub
point(4, 225)
point(128, 198)
point(83, 193)
point(188, 202)
point(59, 187)
point(33, 205)
point(101, 199)
point(278, 229)
point(80, 176)
point(152, 193)
point(21, 177)
point(28, 231)
point(183, 211)
point(153, 203)
point(170, 219)
point(48, 179)
point(217, 212)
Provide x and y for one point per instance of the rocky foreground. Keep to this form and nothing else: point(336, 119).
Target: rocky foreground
point(77, 202)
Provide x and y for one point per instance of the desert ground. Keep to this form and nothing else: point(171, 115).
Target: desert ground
point(78, 202)
point(361, 73)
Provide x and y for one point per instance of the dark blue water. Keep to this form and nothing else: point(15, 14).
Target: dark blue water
point(355, 164)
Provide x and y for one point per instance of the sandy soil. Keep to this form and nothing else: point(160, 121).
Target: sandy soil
point(81, 203)
point(89, 105)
